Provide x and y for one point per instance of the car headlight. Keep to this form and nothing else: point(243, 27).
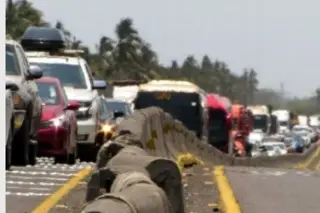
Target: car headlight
point(17, 101)
point(55, 122)
point(58, 121)
point(106, 128)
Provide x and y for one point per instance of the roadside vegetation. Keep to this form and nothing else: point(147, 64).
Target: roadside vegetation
point(129, 56)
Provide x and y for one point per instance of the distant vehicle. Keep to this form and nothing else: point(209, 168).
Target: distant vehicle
point(119, 106)
point(58, 129)
point(297, 143)
point(283, 117)
point(184, 100)
point(27, 104)
point(274, 148)
point(308, 134)
point(219, 124)
point(45, 47)
point(261, 118)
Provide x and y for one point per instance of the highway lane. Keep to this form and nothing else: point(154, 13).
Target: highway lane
point(28, 187)
point(274, 190)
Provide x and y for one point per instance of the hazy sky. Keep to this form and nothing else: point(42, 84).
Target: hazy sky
point(278, 38)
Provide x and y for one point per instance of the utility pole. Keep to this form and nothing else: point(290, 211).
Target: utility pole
point(282, 92)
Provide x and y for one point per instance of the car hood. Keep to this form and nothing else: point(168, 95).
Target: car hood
point(14, 79)
point(80, 94)
point(50, 112)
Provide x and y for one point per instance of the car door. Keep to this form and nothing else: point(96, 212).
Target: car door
point(30, 85)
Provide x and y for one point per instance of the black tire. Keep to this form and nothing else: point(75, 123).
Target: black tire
point(21, 143)
point(33, 151)
point(61, 159)
point(87, 152)
point(9, 149)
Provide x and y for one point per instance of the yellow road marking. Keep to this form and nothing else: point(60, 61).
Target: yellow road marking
point(228, 202)
point(51, 201)
point(309, 161)
point(318, 166)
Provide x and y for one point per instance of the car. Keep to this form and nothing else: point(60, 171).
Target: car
point(44, 48)
point(274, 148)
point(119, 108)
point(9, 121)
point(58, 129)
point(27, 104)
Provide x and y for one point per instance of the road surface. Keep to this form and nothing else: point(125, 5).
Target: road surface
point(28, 187)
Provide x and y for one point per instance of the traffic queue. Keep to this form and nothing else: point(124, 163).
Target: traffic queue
point(55, 107)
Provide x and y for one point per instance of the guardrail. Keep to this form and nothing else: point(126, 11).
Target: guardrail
point(138, 170)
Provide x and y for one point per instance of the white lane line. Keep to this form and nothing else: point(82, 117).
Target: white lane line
point(29, 188)
point(33, 183)
point(35, 177)
point(27, 194)
point(38, 173)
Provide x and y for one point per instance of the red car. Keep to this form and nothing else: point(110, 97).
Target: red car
point(58, 128)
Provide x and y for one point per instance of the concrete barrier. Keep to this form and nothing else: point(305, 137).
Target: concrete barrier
point(147, 152)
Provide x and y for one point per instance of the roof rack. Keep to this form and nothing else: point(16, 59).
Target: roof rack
point(126, 82)
point(63, 52)
point(43, 39)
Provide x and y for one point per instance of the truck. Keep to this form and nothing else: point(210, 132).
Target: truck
point(240, 130)
point(219, 123)
point(261, 117)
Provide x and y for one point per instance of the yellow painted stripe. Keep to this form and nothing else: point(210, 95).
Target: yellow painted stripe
point(51, 201)
point(309, 161)
point(228, 202)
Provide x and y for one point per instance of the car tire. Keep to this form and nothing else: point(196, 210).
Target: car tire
point(9, 149)
point(21, 143)
point(33, 151)
point(87, 152)
point(61, 159)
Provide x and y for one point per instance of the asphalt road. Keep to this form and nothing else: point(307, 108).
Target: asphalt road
point(27, 187)
point(275, 190)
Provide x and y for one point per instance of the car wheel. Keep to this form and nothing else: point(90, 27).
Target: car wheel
point(33, 151)
point(9, 149)
point(20, 145)
point(61, 159)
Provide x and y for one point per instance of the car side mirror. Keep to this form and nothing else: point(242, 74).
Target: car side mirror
point(73, 105)
point(12, 86)
point(118, 114)
point(34, 73)
point(99, 85)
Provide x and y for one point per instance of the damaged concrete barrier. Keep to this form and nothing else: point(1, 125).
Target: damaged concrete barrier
point(162, 171)
point(131, 192)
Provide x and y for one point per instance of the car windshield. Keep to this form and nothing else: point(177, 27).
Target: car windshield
point(281, 146)
point(70, 75)
point(260, 122)
point(12, 66)
point(118, 106)
point(269, 147)
point(48, 93)
point(185, 107)
point(283, 123)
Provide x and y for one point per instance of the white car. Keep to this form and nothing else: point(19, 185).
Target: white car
point(306, 133)
point(274, 148)
point(76, 77)
point(255, 136)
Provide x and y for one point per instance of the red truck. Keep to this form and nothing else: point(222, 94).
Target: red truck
point(219, 123)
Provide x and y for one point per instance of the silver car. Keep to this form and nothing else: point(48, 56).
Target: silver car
point(26, 103)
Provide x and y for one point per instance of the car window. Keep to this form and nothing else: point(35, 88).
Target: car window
point(23, 56)
point(48, 93)
point(12, 64)
point(70, 75)
point(64, 97)
point(89, 73)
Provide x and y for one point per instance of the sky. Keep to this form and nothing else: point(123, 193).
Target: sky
point(280, 39)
